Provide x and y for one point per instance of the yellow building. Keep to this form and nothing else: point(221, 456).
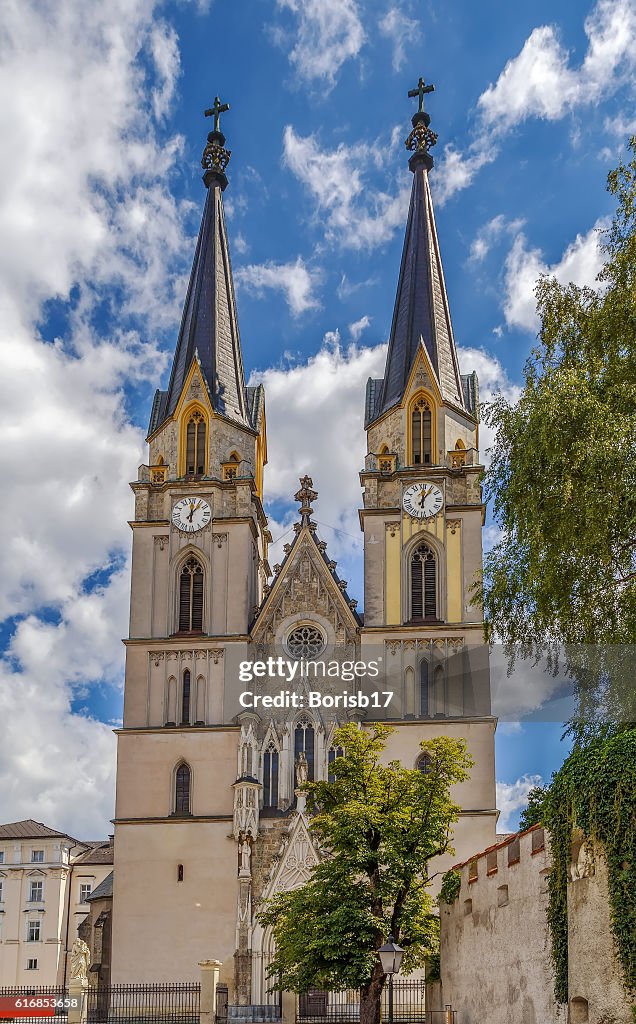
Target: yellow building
point(208, 818)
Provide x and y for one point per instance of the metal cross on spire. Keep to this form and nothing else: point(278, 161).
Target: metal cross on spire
point(420, 92)
point(216, 110)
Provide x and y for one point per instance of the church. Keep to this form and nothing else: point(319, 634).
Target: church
point(210, 820)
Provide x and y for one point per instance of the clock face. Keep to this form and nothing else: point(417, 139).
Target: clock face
point(422, 500)
point(191, 514)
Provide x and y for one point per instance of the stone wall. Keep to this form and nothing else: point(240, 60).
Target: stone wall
point(495, 943)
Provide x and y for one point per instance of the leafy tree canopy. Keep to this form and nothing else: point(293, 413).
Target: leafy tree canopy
point(563, 471)
point(378, 826)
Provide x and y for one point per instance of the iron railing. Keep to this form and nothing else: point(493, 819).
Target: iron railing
point(38, 992)
point(177, 1003)
point(409, 1006)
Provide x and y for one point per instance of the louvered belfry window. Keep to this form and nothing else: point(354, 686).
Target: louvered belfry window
point(423, 584)
point(195, 445)
point(191, 597)
point(421, 433)
point(182, 789)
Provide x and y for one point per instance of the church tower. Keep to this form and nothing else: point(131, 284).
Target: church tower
point(423, 515)
point(199, 566)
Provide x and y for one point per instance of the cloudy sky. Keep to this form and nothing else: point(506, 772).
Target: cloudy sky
point(100, 197)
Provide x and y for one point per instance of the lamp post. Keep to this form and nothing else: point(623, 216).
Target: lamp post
point(391, 959)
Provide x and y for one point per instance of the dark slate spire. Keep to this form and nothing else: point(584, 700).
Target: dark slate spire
point(209, 327)
point(421, 310)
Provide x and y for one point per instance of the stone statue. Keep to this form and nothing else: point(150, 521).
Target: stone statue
point(80, 960)
point(583, 866)
point(245, 851)
point(302, 770)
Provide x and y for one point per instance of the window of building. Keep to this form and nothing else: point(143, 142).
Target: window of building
point(304, 744)
point(1, 856)
point(424, 691)
point(270, 776)
point(473, 870)
point(32, 964)
point(579, 1010)
point(37, 856)
point(36, 892)
point(183, 781)
point(185, 699)
point(33, 931)
point(180, 875)
point(538, 840)
point(332, 754)
point(424, 764)
point(491, 862)
point(423, 583)
point(514, 851)
point(502, 896)
point(305, 641)
point(195, 444)
point(421, 433)
point(86, 889)
point(191, 597)
point(1, 892)
point(468, 907)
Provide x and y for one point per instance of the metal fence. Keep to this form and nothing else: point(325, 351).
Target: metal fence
point(145, 1004)
point(409, 1006)
point(34, 995)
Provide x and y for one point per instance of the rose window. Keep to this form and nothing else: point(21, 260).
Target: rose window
point(305, 641)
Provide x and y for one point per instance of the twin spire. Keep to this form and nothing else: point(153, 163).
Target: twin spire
point(209, 327)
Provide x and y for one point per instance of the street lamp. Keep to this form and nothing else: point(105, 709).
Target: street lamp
point(391, 959)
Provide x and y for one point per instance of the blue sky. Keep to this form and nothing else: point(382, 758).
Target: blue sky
point(102, 120)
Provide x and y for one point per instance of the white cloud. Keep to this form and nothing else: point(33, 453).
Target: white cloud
point(402, 32)
point(490, 233)
point(329, 32)
point(293, 279)
point(358, 326)
point(83, 210)
point(580, 264)
point(455, 171)
point(354, 215)
point(513, 797)
point(540, 81)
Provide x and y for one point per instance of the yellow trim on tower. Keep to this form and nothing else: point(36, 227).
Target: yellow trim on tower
point(184, 419)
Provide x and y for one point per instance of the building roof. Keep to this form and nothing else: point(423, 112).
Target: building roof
point(421, 314)
point(30, 829)
point(503, 839)
point(209, 326)
point(101, 852)
point(103, 891)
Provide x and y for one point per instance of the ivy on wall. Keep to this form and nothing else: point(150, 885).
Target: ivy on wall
point(595, 791)
point(451, 884)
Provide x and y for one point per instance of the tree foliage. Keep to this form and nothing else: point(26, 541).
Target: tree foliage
point(378, 826)
point(563, 470)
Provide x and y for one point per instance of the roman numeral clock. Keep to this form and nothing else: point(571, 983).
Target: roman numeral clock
point(190, 515)
point(422, 500)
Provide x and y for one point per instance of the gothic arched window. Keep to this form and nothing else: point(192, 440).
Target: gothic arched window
point(195, 444)
point(423, 583)
point(270, 777)
point(304, 744)
point(333, 753)
point(424, 763)
point(191, 597)
point(424, 691)
point(182, 786)
point(185, 699)
point(421, 433)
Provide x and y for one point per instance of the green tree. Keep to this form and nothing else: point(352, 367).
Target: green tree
point(533, 814)
point(563, 475)
point(378, 826)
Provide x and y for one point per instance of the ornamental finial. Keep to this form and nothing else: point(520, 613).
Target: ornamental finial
point(305, 496)
point(421, 137)
point(215, 156)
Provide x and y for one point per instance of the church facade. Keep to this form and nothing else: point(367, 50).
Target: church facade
point(209, 817)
